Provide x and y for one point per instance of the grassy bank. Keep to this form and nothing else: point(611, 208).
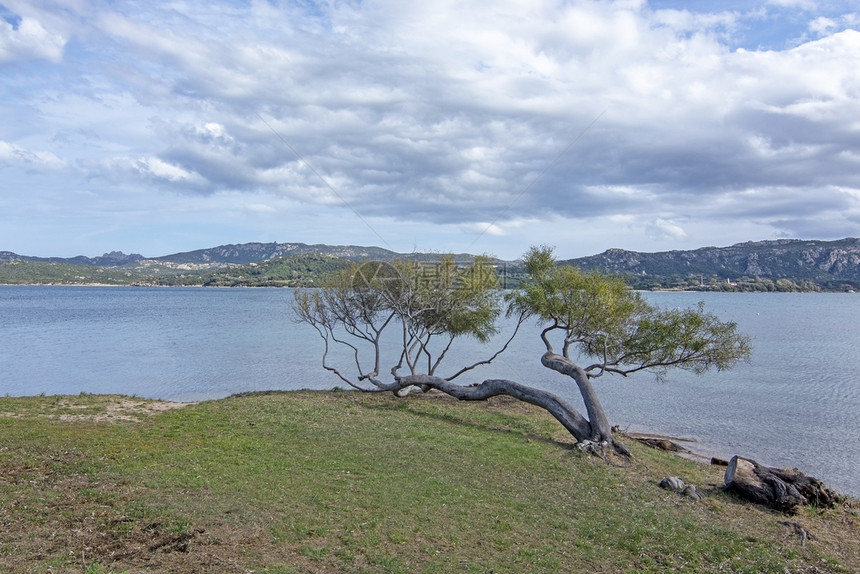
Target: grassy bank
point(345, 482)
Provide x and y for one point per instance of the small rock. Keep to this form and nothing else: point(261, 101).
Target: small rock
point(692, 491)
point(588, 446)
point(672, 483)
point(802, 533)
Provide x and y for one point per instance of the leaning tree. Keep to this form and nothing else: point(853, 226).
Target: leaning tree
point(602, 327)
point(405, 317)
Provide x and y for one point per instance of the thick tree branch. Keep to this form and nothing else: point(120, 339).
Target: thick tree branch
point(601, 428)
point(569, 418)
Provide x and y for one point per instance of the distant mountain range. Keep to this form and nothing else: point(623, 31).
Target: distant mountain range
point(826, 263)
point(784, 264)
point(222, 255)
point(240, 254)
point(112, 259)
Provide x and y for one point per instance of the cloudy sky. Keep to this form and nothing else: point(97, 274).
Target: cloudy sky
point(160, 127)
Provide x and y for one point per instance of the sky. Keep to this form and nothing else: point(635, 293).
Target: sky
point(447, 126)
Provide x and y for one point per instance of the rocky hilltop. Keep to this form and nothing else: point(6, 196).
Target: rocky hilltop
point(823, 262)
point(234, 254)
point(112, 259)
point(255, 252)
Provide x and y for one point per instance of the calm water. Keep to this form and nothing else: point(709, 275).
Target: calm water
point(796, 404)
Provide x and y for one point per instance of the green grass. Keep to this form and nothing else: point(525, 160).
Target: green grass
point(349, 482)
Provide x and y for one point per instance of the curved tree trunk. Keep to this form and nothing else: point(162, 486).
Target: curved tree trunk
point(569, 418)
point(601, 429)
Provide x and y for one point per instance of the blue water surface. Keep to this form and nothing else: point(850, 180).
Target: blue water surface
point(794, 405)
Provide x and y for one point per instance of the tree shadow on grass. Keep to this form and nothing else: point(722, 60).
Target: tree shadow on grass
point(412, 403)
point(504, 406)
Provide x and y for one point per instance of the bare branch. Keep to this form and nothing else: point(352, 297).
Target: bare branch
point(522, 318)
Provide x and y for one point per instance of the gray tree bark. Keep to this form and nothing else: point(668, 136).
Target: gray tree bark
point(601, 430)
point(557, 407)
point(570, 419)
point(776, 488)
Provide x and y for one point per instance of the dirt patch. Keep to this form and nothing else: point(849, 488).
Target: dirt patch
point(101, 408)
point(121, 409)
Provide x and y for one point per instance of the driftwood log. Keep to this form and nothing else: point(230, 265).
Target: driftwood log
point(776, 488)
point(660, 443)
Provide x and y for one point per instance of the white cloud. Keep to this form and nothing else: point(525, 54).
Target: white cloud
point(664, 229)
point(14, 155)
point(130, 170)
point(822, 26)
point(28, 39)
point(156, 167)
point(587, 114)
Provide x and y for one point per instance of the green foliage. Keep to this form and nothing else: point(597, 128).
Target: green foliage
point(539, 261)
point(690, 339)
point(444, 297)
point(586, 306)
point(603, 319)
